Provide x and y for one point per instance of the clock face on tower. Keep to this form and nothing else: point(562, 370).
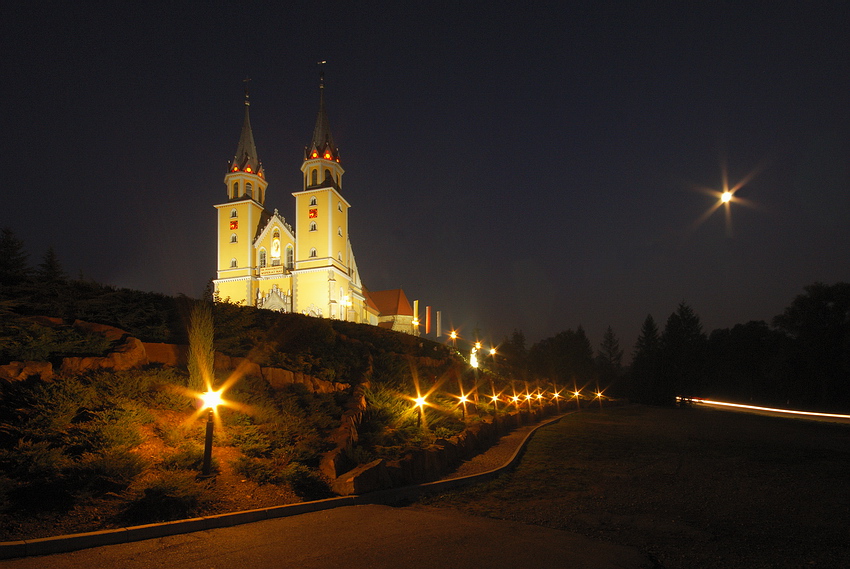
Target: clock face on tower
point(314, 213)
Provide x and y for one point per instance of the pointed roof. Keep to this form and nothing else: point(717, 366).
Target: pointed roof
point(246, 158)
point(322, 145)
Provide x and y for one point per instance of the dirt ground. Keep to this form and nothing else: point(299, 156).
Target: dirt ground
point(692, 488)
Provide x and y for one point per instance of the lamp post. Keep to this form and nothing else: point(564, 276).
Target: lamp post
point(210, 400)
point(556, 396)
point(420, 403)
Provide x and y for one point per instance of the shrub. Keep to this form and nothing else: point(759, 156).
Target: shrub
point(190, 456)
point(251, 440)
point(259, 470)
point(305, 482)
point(110, 471)
point(171, 496)
point(99, 429)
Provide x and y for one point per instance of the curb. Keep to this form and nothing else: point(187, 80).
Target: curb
point(73, 542)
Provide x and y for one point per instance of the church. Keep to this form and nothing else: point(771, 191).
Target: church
point(309, 268)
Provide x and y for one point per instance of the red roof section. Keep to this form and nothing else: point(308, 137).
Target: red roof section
point(390, 302)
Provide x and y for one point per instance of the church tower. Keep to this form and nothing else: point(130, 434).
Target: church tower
point(327, 281)
point(240, 218)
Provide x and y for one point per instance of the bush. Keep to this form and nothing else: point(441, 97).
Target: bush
point(305, 482)
point(110, 471)
point(259, 470)
point(190, 456)
point(171, 496)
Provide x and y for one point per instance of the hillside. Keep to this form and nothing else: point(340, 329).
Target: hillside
point(103, 448)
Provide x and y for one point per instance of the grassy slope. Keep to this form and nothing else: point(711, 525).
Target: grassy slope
point(693, 488)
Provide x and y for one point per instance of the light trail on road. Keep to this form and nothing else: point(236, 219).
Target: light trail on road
point(699, 401)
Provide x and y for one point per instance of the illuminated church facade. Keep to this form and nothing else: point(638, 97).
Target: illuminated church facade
point(309, 268)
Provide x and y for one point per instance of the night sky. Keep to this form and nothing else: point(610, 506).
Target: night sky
point(536, 167)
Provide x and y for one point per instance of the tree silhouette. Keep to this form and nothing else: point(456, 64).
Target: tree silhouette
point(683, 362)
point(609, 358)
point(14, 267)
point(50, 269)
point(818, 323)
point(645, 371)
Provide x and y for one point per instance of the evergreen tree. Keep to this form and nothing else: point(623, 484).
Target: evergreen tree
point(684, 355)
point(645, 380)
point(610, 355)
point(50, 269)
point(14, 267)
point(609, 358)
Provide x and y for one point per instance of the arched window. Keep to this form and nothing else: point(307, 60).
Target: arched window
point(339, 206)
point(233, 212)
point(233, 238)
point(233, 263)
point(235, 190)
point(339, 256)
point(248, 190)
point(290, 263)
point(262, 258)
point(313, 252)
point(328, 175)
point(313, 226)
point(276, 234)
point(315, 176)
point(339, 231)
point(313, 200)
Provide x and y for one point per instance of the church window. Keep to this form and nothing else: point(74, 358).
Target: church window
point(289, 257)
point(233, 263)
point(235, 189)
point(233, 238)
point(233, 212)
point(313, 252)
point(339, 231)
point(248, 190)
point(339, 256)
point(313, 226)
point(276, 234)
point(328, 174)
point(313, 200)
point(315, 176)
point(339, 206)
point(262, 258)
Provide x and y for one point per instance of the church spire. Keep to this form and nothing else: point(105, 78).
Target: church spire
point(322, 145)
point(246, 159)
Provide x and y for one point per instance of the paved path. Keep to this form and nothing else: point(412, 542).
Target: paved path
point(357, 537)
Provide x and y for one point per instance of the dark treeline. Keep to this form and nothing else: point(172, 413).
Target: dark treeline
point(800, 359)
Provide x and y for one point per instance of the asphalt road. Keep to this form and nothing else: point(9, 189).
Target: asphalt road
point(357, 537)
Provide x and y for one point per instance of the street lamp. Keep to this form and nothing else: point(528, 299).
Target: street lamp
point(463, 401)
point(209, 400)
point(420, 403)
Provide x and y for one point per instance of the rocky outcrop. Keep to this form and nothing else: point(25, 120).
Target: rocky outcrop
point(336, 461)
point(279, 378)
point(130, 354)
point(20, 371)
point(171, 355)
